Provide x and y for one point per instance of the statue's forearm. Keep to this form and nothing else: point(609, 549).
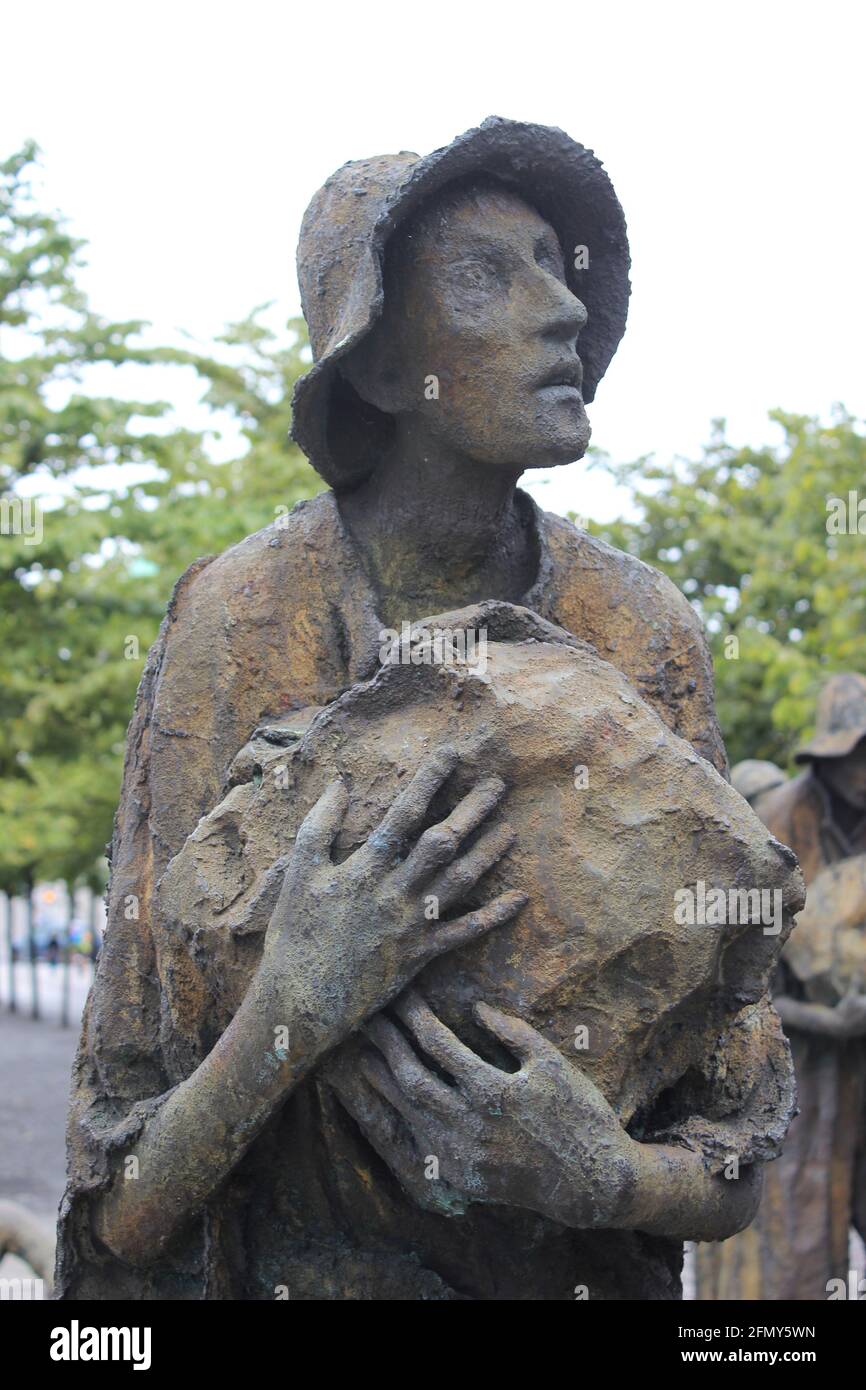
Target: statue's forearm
point(675, 1196)
point(808, 1018)
point(664, 1190)
point(193, 1141)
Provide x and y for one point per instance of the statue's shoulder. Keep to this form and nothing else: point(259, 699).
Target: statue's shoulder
point(256, 621)
point(639, 621)
point(288, 560)
point(294, 541)
point(793, 811)
point(247, 635)
point(614, 594)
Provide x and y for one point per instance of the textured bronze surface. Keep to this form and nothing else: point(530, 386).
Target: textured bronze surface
point(206, 1159)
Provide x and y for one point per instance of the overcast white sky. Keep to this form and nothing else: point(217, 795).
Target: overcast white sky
point(184, 140)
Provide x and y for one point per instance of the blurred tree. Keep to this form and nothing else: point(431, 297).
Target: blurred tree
point(126, 500)
point(749, 536)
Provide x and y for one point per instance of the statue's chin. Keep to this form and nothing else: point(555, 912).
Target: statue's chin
point(549, 451)
point(556, 456)
point(565, 443)
point(557, 460)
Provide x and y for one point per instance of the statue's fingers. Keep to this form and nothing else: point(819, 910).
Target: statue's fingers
point(409, 809)
point(474, 924)
point(437, 1040)
point(520, 1037)
point(380, 1122)
point(461, 877)
point(418, 1083)
point(375, 1071)
point(276, 873)
point(440, 843)
point(319, 827)
point(389, 1134)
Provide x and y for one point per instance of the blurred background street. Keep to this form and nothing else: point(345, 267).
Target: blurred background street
point(33, 1100)
point(37, 1062)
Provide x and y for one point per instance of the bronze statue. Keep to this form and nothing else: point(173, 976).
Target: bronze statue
point(579, 1079)
point(798, 1246)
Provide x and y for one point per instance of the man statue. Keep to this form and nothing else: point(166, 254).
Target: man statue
point(234, 1133)
point(798, 1246)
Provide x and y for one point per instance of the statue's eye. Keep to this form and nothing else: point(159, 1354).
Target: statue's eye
point(475, 274)
point(549, 258)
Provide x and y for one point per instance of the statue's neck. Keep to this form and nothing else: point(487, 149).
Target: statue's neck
point(437, 530)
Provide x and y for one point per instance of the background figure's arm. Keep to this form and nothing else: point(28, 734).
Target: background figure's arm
point(844, 1020)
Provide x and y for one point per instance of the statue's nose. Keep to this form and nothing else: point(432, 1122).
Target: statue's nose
point(566, 315)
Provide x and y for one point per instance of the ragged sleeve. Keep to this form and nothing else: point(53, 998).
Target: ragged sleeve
point(119, 1076)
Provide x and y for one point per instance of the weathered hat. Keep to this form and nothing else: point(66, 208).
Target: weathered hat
point(340, 259)
point(841, 721)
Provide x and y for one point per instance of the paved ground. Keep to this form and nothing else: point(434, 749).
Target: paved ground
point(36, 1064)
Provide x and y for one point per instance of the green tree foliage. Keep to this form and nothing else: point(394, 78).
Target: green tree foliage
point(748, 535)
point(128, 499)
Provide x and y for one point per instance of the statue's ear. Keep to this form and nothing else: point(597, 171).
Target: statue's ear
point(375, 369)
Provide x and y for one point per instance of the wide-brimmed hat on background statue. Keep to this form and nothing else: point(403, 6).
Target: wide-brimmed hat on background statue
point(340, 260)
point(841, 721)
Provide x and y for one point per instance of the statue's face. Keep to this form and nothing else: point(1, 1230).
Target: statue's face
point(478, 341)
point(847, 776)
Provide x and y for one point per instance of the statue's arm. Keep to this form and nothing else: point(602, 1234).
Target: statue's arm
point(343, 939)
point(193, 1140)
point(676, 1196)
point(543, 1138)
point(846, 1019)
